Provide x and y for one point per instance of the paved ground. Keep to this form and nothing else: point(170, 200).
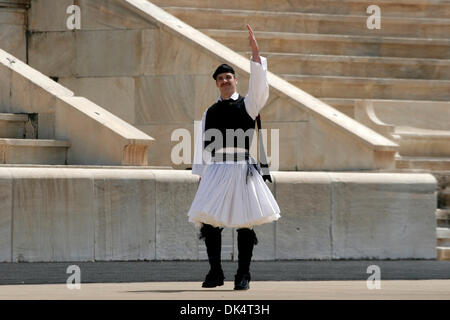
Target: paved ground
point(274, 280)
point(187, 271)
point(260, 290)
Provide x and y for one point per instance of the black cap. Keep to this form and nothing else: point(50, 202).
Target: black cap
point(221, 69)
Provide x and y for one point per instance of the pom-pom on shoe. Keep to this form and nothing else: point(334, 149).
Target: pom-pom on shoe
point(213, 279)
point(242, 281)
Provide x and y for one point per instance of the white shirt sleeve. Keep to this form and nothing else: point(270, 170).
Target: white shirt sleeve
point(199, 165)
point(258, 89)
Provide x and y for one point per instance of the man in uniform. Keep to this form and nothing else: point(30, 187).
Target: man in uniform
point(231, 192)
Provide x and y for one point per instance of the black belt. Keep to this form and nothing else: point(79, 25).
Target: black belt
point(238, 156)
point(231, 156)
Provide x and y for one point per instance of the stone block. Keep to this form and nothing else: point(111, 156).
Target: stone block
point(11, 153)
point(51, 15)
point(113, 134)
point(13, 129)
point(282, 109)
point(13, 40)
point(102, 54)
point(124, 211)
point(117, 95)
point(324, 146)
point(303, 231)
point(6, 211)
point(383, 216)
point(54, 53)
point(5, 80)
point(184, 98)
point(106, 15)
point(288, 144)
point(52, 215)
point(168, 54)
point(97, 53)
point(160, 153)
point(176, 237)
point(10, 16)
point(46, 125)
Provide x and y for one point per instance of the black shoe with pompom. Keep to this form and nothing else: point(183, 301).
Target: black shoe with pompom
point(242, 281)
point(213, 279)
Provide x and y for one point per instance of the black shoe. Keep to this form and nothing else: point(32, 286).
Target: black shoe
point(213, 280)
point(242, 282)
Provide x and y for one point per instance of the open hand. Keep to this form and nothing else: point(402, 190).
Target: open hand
point(253, 45)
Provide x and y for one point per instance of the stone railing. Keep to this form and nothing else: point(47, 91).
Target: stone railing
point(97, 136)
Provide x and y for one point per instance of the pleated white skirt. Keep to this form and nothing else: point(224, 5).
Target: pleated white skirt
point(225, 199)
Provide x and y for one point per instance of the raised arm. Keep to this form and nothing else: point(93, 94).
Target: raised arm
point(253, 45)
point(258, 89)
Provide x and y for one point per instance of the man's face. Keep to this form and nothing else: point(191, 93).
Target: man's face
point(226, 82)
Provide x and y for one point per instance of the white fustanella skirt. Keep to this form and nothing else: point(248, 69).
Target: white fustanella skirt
point(226, 197)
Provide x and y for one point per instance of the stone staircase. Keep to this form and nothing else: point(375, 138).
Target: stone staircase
point(443, 224)
point(325, 48)
point(332, 54)
point(19, 143)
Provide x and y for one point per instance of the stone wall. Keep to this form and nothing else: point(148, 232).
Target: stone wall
point(82, 214)
point(13, 17)
point(151, 70)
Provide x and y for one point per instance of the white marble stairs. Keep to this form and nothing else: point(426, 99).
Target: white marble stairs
point(443, 241)
point(422, 8)
point(423, 148)
point(19, 142)
point(325, 48)
point(443, 220)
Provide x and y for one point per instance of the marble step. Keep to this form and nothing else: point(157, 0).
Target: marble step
point(347, 105)
point(443, 253)
point(357, 66)
point(423, 142)
point(443, 218)
point(427, 163)
point(21, 4)
point(17, 7)
point(398, 8)
point(331, 44)
point(33, 151)
point(12, 125)
point(207, 18)
point(371, 88)
point(443, 237)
